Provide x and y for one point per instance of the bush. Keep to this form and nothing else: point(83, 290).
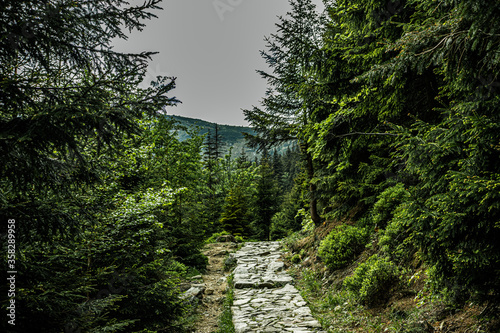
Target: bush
point(295, 258)
point(287, 221)
point(213, 238)
point(279, 226)
point(342, 245)
point(372, 280)
point(388, 200)
point(395, 239)
point(197, 260)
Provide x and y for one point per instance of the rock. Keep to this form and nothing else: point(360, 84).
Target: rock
point(197, 277)
point(193, 293)
point(221, 253)
point(230, 262)
point(226, 239)
point(209, 291)
point(264, 298)
point(241, 327)
point(184, 286)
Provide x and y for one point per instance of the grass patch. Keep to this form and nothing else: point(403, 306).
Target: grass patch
point(226, 318)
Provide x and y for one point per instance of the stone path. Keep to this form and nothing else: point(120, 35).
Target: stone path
point(264, 298)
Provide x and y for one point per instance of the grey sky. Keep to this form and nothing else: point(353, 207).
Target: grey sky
point(212, 47)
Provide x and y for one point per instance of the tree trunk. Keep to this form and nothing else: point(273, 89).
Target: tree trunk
point(313, 202)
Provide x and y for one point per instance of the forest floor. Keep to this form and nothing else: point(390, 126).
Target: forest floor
point(215, 281)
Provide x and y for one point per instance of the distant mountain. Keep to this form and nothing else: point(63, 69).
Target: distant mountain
point(232, 136)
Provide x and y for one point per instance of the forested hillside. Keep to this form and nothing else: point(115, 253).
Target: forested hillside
point(231, 137)
point(388, 188)
point(231, 134)
point(395, 105)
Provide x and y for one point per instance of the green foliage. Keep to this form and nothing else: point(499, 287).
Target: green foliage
point(287, 220)
point(106, 197)
point(212, 239)
point(395, 106)
point(226, 318)
point(235, 218)
point(342, 245)
point(372, 280)
point(289, 106)
point(311, 282)
point(266, 199)
point(67, 101)
point(295, 259)
point(386, 204)
point(395, 240)
point(119, 273)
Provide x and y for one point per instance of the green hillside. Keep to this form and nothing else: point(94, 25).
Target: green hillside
point(232, 136)
point(229, 132)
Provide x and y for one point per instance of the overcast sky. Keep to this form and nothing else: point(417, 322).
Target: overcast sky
point(212, 47)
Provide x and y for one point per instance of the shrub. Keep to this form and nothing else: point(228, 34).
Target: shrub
point(388, 200)
point(372, 280)
point(197, 260)
point(295, 258)
point(213, 238)
point(395, 239)
point(279, 228)
point(342, 245)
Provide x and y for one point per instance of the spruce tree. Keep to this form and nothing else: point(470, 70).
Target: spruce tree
point(72, 117)
point(66, 98)
point(266, 198)
point(235, 217)
point(284, 114)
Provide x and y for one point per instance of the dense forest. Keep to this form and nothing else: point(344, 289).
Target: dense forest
point(389, 110)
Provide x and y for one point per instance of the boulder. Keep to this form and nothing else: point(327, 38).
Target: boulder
point(194, 293)
point(226, 239)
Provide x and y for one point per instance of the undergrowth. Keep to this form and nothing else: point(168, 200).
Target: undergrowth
point(226, 318)
point(371, 293)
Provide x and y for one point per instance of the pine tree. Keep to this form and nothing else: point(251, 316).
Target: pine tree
point(285, 114)
point(67, 98)
point(242, 160)
point(235, 217)
point(72, 117)
point(266, 198)
point(277, 164)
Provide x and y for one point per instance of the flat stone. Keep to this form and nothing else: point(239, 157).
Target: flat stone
point(241, 302)
point(264, 298)
point(241, 327)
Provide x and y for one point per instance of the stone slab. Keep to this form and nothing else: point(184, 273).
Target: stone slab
point(264, 298)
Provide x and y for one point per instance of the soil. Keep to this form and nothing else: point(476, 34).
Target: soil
point(211, 306)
